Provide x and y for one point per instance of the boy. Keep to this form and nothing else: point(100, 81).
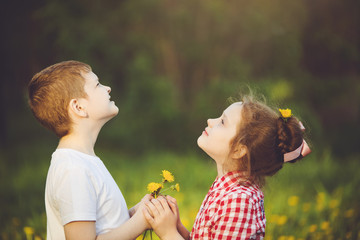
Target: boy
point(82, 199)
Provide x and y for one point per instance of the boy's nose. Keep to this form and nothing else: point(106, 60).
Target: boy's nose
point(108, 89)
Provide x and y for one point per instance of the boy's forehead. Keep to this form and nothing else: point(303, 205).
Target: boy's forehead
point(90, 76)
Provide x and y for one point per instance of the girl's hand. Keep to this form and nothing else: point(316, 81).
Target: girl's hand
point(173, 205)
point(162, 217)
point(180, 227)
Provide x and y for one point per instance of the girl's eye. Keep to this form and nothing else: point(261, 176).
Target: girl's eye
point(97, 84)
point(222, 121)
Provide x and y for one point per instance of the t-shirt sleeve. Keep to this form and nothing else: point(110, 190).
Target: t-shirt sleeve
point(234, 219)
point(75, 195)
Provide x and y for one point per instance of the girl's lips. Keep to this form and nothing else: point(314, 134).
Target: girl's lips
point(206, 133)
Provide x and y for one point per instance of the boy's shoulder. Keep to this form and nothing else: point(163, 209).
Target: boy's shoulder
point(72, 159)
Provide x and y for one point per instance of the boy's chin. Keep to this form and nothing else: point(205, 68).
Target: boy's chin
point(115, 111)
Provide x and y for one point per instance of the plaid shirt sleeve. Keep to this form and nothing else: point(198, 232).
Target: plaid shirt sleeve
point(235, 218)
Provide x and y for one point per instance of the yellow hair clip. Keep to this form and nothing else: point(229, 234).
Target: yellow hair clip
point(285, 113)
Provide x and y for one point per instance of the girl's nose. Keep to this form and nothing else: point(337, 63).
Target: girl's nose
point(108, 89)
point(210, 122)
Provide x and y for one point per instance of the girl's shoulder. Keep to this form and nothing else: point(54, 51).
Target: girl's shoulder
point(249, 193)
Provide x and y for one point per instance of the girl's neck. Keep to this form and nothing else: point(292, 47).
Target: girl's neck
point(220, 171)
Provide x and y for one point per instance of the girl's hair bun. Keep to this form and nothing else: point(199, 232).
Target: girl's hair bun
point(289, 134)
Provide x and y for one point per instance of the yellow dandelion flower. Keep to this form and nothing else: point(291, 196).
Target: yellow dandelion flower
point(325, 225)
point(285, 113)
point(175, 187)
point(167, 176)
point(37, 238)
point(29, 230)
point(153, 187)
point(282, 238)
point(313, 228)
point(293, 201)
point(282, 220)
point(291, 238)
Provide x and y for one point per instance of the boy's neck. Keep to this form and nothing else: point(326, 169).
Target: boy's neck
point(80, 142)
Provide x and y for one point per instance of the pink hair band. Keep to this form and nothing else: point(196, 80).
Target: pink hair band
point(302, 150)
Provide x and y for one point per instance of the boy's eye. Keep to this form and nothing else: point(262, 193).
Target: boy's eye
point(97, 84)
point(222, 121)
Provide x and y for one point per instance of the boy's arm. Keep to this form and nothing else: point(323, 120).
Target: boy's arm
point(80, 230)
point(129, 230)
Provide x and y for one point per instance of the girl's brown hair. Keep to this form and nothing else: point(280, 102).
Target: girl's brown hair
point(51, 90)
point(266, 137)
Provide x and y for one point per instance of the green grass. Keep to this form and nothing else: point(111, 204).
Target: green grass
point(316, 198)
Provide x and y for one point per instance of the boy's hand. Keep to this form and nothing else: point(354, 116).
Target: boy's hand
point(140, 205)
point(162, 217)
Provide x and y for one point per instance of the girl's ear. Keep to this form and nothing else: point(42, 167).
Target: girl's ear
point(240, 151)
point(76, 108)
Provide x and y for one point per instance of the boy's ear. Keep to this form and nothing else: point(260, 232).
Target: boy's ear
point(76, 108)
point(239, 152)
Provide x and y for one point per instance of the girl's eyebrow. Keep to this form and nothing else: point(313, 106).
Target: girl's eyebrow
point(224, 115)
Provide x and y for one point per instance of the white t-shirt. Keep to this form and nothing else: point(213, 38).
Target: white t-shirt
point(80, 188)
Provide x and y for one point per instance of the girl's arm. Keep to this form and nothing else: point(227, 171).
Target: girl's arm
point(180, 227)
point(163, 218)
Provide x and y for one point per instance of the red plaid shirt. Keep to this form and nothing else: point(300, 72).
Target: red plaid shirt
point(231, 210)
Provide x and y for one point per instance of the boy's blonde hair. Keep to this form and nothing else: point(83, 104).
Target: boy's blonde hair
point(51, 90)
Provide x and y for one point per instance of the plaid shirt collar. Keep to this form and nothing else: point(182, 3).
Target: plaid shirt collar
point(228, 180)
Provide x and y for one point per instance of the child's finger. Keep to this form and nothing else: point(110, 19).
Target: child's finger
point(173, 208)
point(158, 205)
point(147, 208)
point(164, 203)
point(154, 209)
point(148, 197)
point(171, 199)
point(148, 217)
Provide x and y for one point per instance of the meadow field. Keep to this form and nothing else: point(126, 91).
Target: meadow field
point(172, 65)
point(317, 198)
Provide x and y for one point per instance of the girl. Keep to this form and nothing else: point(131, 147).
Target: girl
point(248, 142)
